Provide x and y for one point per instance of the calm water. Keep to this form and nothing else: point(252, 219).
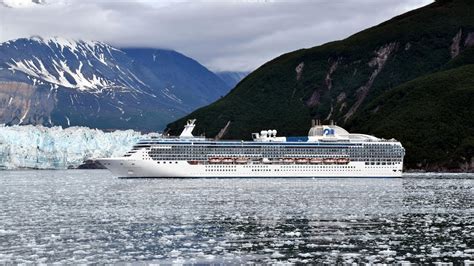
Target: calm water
point(89, 216)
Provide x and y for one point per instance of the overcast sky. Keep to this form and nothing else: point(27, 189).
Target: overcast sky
point(233, 35)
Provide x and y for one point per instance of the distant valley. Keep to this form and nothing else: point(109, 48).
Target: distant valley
point(232, 78)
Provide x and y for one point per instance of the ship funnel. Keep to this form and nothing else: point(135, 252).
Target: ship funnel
point(188, 129)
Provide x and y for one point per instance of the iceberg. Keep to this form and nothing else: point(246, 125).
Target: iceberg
point(40, 147)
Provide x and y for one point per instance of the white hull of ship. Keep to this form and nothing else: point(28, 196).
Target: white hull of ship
point(132, 168)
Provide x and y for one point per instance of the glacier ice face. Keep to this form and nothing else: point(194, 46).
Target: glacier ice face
point(57, 148)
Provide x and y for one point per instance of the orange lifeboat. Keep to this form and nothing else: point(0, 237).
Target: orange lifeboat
point(288, 160)
point(329, 160)
point(214, 160)
point(241, 160)
point(227, 160)
point(343, 160)
point(302, 160)
point(316, 161)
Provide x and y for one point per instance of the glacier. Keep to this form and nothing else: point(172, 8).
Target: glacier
point(40, 147)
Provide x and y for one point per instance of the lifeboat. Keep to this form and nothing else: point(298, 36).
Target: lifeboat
point(266, 161)
point(241, 160)
point(329, 160)
point(302, 160)
point(227, 160)
point(215, 160)
point(288, 160)
point(343, 161)
point(316, 161)
point(193, 162)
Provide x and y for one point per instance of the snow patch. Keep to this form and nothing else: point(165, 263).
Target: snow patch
point(26, 112)
point(59, 78)
point(21, 3)
point(170, 95)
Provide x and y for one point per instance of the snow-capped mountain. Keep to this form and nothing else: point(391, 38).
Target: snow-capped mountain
point(81, 65)
point(22, 3)
point(57, 81)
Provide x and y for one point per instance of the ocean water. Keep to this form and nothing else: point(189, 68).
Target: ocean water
point(86, 216)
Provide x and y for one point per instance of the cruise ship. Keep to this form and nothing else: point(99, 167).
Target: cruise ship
point(327, 151)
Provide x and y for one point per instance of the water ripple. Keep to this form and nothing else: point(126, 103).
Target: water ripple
point(89, 216)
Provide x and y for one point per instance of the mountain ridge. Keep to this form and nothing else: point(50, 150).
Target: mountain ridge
point(59, 81)
point(232, 78)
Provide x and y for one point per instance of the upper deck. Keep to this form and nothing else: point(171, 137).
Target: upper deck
point(318, 135)
point(321, 142)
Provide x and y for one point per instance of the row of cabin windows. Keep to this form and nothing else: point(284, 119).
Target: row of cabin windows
point(249, 153)
point(211, 166)
point(204, 158)
point(358, 154)
point(277, 170)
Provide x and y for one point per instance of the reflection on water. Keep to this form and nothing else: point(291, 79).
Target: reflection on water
point(89, 216)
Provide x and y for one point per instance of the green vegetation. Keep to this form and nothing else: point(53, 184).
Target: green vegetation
point(405, 65)
point(433, 116)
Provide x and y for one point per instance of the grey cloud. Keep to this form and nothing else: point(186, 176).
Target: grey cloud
point(223, 35)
